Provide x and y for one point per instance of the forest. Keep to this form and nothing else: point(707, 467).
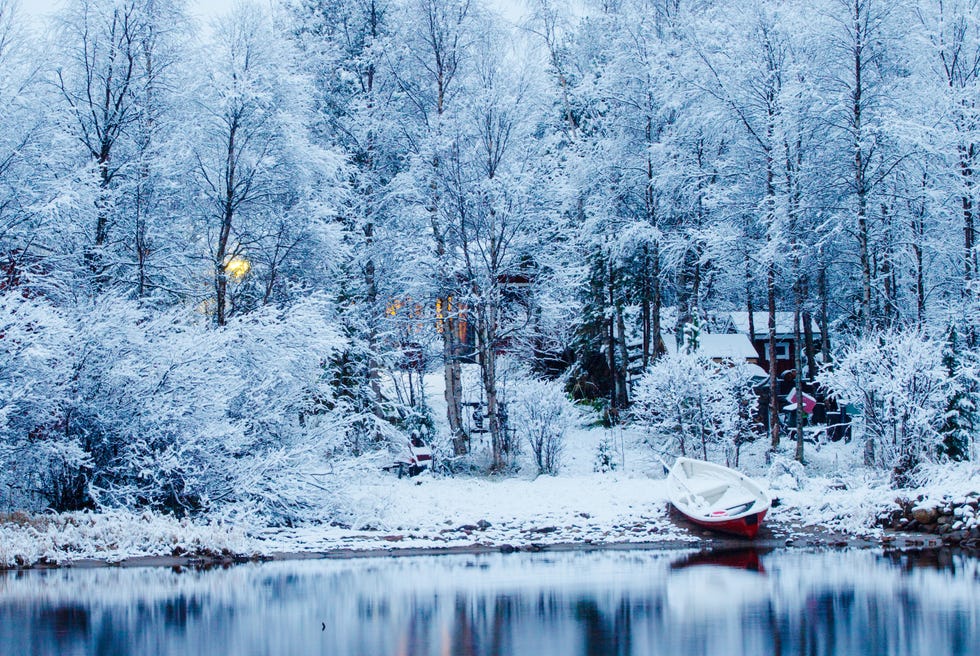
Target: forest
point(235, 257)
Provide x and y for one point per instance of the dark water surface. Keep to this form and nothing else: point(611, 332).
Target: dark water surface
point(605, 602)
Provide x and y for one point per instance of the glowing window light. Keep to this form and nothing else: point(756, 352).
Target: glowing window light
point(238, 267)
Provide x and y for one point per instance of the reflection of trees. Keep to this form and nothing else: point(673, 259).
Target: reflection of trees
point(487, 626)
point(912, 559)
point(483, 627)
point(602, 635)
point(464, 641)
point(417, 637)
point(67, 625)
point(834, 620)
point(865, 610)
point(81, 628)
point(179, 610)
point(27, 628)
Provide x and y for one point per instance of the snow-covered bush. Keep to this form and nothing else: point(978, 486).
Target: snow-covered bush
point(542, 415)
point(39, 460)
point(786, 474)
point(898, 380)
point(160, 410)
point(696, 402)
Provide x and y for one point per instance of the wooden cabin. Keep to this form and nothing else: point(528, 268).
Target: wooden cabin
point(738, 323)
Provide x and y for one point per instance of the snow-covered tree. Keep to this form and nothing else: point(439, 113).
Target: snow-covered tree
point(101, 79)
point(431, 61)
point(261, 183)
point(21, 142)
point(40, 460)
point(542, 415)
point(959, 425)
point(899, 382)
point(690, 403)
point(135, 408)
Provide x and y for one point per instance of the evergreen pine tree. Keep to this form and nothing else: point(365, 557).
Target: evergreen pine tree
point(692, 332)
point(960, 420)
point(590, 377)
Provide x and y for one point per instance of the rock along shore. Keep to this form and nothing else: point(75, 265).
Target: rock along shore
point(955, 520)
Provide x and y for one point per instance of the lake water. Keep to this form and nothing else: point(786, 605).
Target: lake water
point(590, 603)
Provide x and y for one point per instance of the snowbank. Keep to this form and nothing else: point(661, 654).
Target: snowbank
point(111, 537)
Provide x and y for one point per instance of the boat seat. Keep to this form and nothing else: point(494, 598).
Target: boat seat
point(711, 491)
point(733, 498)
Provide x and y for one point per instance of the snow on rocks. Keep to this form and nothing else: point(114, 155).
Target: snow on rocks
point(955, 519)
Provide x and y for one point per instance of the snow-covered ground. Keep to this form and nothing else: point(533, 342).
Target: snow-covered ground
point(832, 496)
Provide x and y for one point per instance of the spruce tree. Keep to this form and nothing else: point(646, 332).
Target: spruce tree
point(960, 419)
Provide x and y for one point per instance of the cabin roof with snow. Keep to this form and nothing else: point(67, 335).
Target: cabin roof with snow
point(721, 346)
point(784, 324)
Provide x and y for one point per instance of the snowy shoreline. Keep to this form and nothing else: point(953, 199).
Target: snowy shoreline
point(129, 540)
point(775, 537)
point(832, 502)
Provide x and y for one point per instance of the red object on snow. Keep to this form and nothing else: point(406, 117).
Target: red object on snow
point(808, 401)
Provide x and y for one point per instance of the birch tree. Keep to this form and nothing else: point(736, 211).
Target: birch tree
point(862, 39)
point(949, 59)
point(432, 65)
point(97, 83)
point(494, 168)
point(252, 156)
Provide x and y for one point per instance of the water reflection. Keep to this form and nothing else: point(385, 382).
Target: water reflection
point(745, 558)
point(599, 603)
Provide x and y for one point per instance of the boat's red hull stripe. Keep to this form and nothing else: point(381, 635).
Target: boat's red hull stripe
point(745, 526)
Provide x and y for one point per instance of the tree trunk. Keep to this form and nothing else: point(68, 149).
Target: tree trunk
point(624, 358)
point(657, 301)
point(773, 380)
point(860, 163)
point(370, 279)
point(887, 272)
point(488, 375)
point(966, 202)
point(452, 373)
point(143, 190)
point(141, 209)
point(452, 376)
point(645, 323)
point(748, 297)
point(799, 376)
point(809, 345)
point(227, 221)
point(770, 201)
point(611, 345)
point(371, 301)
point(918, 243)
point(824, 315)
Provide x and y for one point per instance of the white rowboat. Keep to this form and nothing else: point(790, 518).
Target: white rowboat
point(717, 497)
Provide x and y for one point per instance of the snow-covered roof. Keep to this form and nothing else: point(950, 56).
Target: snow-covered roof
point(721, 346)
point(784, 323)
point(733, 347)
